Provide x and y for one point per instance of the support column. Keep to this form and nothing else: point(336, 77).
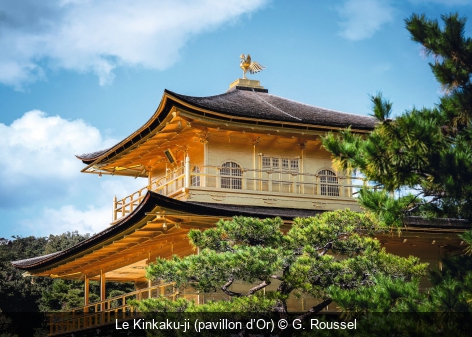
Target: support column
point(102, 286)
point(187, 173)
point(204, 181)
point(115, 206)
point(86, 292)
point(302, 168)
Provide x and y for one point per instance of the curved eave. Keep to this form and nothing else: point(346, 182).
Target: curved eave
point(110, 234)
point(151, 125)
point(171, 99)
point(151, 202)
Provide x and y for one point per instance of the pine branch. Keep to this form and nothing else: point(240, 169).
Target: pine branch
point(258, 287)
point(229, 292)
point(315, 309)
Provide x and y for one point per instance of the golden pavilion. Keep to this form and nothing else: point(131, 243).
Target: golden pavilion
point(244, 152)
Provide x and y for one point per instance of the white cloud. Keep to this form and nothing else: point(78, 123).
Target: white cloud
point(41, 175)
point(70, 218)
point(363, 18)
point(41, 147)
point(91, 218)
point(38, 158)
point(98, 36)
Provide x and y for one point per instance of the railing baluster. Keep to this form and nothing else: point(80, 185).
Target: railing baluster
point(278, 181)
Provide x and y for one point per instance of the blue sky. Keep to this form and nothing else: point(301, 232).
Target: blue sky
point(79, 75)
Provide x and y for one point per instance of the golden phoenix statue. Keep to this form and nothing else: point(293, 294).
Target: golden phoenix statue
point(246, 64)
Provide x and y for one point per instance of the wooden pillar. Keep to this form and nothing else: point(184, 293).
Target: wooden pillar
point(254, 165)
point(102, 286)
point(187, 181)
point(301, 178)
point(115, 207)
point(86, 292)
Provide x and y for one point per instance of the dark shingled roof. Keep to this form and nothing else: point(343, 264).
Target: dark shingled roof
point(88, 156)
point(251, 104)
point(33, 260)
point(152, 200)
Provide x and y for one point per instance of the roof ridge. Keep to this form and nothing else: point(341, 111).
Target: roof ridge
point(273, 106)
point(320, 107)
point(200, 97)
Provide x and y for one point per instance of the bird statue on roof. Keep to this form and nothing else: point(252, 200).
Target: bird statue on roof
point(246, 64)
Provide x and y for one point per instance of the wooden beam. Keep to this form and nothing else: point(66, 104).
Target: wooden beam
point(116, 249)
point(164, 253)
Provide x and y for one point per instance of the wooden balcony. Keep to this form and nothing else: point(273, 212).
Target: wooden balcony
point(108, 311)
point(103, 314)
point(214, 184)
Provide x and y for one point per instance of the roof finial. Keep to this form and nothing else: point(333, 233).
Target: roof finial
point(246, 64)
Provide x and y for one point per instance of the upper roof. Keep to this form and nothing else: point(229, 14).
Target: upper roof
point(245, 106)
point(254, 104)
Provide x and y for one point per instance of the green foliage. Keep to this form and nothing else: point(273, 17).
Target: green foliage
point(17, 293)
point(385, 295)
point(450, 294)
point(331, 249)
point(260, 304)
point(467, 237)
point(20, 294)
point(427, 150)
point(389, 209)
point(56, 243)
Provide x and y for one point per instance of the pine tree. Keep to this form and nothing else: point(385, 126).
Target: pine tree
point(429, 153)
point(426, 151)
point(332, 249)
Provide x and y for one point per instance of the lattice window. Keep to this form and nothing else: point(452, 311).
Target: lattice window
point(230, 172)
point(266, 163)
point(195, 178)
point(285, 164)
point(277, 164)
point(329, 183)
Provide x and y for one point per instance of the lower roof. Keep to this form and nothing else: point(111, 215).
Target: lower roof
point(150, 202)
point(153, 200)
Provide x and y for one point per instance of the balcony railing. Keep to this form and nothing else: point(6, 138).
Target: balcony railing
point(111, 310)
point(214, 178)
point(107, 311)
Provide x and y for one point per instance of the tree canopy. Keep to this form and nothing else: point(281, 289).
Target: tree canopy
point(21, 297)
point(424, 150)
point(332, 249)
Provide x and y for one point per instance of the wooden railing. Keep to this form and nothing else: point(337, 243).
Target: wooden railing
point(287, 182)
point(107, 311)
point(213, 178)
point(171, 183)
